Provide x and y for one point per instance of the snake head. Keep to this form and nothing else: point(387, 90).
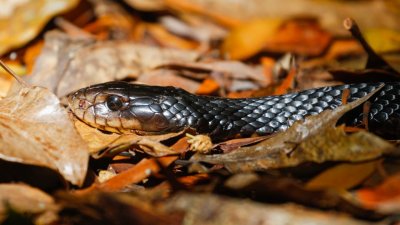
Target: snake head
point(119, 107)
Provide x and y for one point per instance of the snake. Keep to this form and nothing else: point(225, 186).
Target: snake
point(134, 108)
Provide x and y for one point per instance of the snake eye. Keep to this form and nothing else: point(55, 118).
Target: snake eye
point(114, 102)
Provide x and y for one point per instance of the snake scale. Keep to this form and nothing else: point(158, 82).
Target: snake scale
point(124, 107)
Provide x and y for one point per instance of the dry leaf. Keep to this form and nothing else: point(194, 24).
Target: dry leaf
point(21, 21)
point(249, 38)
point(315, 139)
point(164, 77)
point(208, 209)
point(105, 145)
point(300, 37)
point(147, 5)
point(133, 175)
point(384, 198)
point(383, 40)
point(67, 64)
point(196, 28)
point(381, 14)
point(36, 130)
point(233, 71)
point(26, 200)
point(343, 176)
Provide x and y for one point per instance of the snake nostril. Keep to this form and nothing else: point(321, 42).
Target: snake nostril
point(82, 104)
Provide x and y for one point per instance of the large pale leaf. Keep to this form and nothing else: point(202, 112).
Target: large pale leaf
point(36, 130)
point(67, 64)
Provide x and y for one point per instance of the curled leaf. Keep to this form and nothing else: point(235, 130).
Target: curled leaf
point(36, 130)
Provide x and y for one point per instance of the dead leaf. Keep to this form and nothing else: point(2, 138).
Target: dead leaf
point(135, 174)
point(268, 188)
point(21, 21)
point(207, 87)
point(113, 21)
point(167, 39)
point(27, 200)
point(184, 6)
point(36, 130)
point(316, 139)
point(343, 176)
point(249, 38)
point(383, 40)
point(165, 77)
point(194, 27)
point(384, 198)
point(111, 209)
point(105, 145)
point(381, 14)
point(147, 5)
point(304, 37)
point(226, 71)
point(208, 209)
point(67, 64)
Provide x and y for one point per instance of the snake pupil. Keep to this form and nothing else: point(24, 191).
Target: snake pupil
point(114, 102)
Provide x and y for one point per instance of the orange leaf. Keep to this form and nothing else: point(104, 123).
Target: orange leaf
point(388, 191)
point(167, 39)
point(268, 64)
point(137, 173)
point(343, 176)
point(208, 86)
point(188, 6)
point(286, 84)
point(31, 54)
point(248, 39)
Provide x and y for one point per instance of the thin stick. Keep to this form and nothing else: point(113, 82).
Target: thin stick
point(374, 60)
point(12, 73)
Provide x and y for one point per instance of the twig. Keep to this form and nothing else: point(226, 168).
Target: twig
point(374, 60)
point(12, 73)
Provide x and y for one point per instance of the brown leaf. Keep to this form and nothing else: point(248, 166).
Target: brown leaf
point(27, 200)
point(36, 130)
point(381, 14)
point(315, 139)
point(21, 21)
point(133, 175)
point(267, 188)
point(67, 64)
point(249, 38)
point(226, 72)
point(384, 198)
point(349, 174)
point(147, 5)
point(105, 145)
point(164, 77)
point(208, 209)
point(194, 27)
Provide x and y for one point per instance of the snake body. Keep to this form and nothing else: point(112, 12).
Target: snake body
point(125, 107)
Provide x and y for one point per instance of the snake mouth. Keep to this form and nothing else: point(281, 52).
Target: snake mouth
point(92, 110)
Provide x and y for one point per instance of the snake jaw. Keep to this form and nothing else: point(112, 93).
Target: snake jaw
point(89, 106)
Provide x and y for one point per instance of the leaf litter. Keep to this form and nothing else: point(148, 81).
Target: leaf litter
point(186, 44)
point(36, 130)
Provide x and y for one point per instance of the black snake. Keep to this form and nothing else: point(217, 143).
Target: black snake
point(124, 107)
